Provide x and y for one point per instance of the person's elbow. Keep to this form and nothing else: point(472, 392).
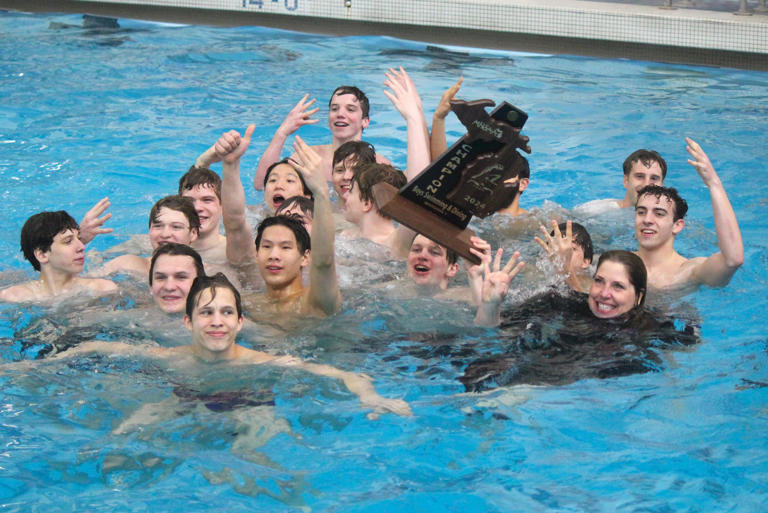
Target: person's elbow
point(735, 261)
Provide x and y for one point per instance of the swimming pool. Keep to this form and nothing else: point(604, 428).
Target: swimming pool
point(125, 113)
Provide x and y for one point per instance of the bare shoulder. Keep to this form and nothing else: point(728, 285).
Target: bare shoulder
point(381, 159)
point(676, 273)
point(127, 263)
point(247, 355)
point(689, 268)
point(17, 293)
point(98, 285)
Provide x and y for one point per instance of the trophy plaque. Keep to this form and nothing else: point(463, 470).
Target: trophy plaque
point(475, 176)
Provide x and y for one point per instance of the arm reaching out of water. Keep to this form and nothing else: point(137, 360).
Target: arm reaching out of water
point(230, 148)
point(91, 225)
point(324, 291)
point(358, 384)
point(300, 115)
point(404, 96)
point(560, 249)
point(438, 143)
point(495, 286)
point(406, 99)
point(475, 272)
point(717, 269)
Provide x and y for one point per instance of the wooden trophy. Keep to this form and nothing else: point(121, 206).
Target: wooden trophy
point(475, 176)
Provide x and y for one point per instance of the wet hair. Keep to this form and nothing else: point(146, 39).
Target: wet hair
point(176, 249)
point(508, 194)
point(580, 237)
point(296, 226)
point(40, 229)
point(361, 152)
point(450, 255)
point(217, 281)
point(638, 276)
point(180, 204)
point(361, 97)
point(681, 206)
point(647, 157)
point(306, 205)
point(304, 189)
point(370, 174)
point(200, 176)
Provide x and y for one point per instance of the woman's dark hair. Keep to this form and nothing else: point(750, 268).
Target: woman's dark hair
point(202, 283)
point(638, 276)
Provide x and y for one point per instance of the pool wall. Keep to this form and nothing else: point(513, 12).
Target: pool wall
point(604, 29)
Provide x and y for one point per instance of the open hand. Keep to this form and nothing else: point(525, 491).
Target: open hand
point(91, 225)
point(300, 115)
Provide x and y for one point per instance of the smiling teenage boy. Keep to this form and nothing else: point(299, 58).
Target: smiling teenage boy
point(641, 168)
point(171, 219)
point(49, 241)
point(347, 118)
point(659, 217)
point(282, 247)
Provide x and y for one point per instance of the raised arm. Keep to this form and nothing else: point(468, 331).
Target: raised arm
point(482, 249)
point(230, 148)
point(495, 287)
point(92, 224)
point(300, 115)
point(716, 270)
point(559, 249)
point(358, 384)
point(437, 141)
point(324, 291)
point(406, 99)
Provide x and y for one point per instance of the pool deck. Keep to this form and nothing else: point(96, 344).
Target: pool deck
point(710, 34)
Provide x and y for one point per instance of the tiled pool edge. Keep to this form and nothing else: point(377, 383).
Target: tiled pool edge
point(566, 26)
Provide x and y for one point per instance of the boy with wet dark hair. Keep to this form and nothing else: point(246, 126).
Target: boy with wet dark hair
point(49, 241)
point(641, 168)
point(514, 187)
point(361, 210)
point(171, 219)
point(203, 187)
point(659, 219)
point(172, 269)
point(200, 176)
point(300, 208)
point(301, 235)
point(671, 194)
point(347, 118)
point(369, 175)
point(569, 246)
point(282, 244)
point(647, 158)
point(346, 159)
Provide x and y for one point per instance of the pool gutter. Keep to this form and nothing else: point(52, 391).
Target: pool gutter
point(576, 27)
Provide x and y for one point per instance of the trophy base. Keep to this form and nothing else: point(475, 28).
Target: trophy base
point(423, 221)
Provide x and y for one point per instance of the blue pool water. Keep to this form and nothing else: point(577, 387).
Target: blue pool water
point(125, 113)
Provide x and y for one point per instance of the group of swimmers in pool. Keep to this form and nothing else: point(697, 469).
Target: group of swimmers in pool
point(299, 232)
